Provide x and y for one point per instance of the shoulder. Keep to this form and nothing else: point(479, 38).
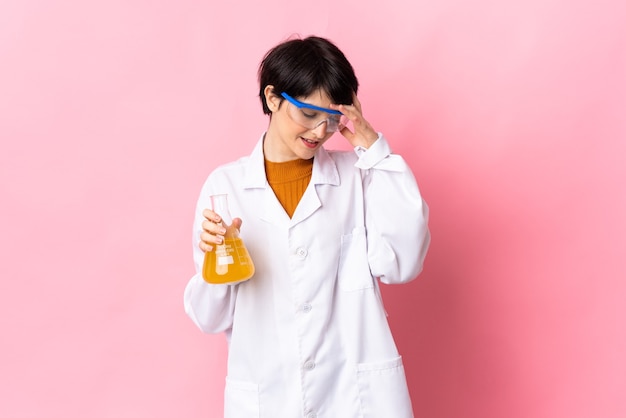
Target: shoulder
point(239, 166)
point(343, 157)
point(227, 174)
point(230, 167)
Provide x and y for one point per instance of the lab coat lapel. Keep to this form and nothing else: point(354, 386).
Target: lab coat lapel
point(269, 208)
point(324, 172)
point(273, 212)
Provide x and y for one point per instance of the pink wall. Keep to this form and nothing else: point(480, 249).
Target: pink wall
point(512, 115)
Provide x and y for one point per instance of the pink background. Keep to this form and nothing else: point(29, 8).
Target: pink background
point(512, 115)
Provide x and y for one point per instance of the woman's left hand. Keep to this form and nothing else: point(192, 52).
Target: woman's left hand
point(364, 135)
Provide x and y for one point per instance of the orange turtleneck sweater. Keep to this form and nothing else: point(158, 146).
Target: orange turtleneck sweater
point(289, 180)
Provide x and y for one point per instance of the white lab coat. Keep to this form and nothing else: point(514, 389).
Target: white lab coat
point(308, 334)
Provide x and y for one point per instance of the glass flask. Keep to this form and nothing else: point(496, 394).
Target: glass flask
point(229, 262)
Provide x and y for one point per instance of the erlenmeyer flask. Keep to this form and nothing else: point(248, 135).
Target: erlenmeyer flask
point(229, 262)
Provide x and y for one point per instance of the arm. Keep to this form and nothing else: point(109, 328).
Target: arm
point(396, 216)
point(209, 306)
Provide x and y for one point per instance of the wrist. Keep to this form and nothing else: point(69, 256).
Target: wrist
point(366, 141)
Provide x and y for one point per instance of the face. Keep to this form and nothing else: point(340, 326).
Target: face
point(286, 139)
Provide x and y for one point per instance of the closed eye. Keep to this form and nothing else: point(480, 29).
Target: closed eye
point(309, 115)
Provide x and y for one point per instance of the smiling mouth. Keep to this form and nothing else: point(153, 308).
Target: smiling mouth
point(309, 142)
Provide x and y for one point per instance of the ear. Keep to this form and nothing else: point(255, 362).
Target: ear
point(271, 98)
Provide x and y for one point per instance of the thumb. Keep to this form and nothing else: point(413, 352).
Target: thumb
point(237, 223)
point(346, 132)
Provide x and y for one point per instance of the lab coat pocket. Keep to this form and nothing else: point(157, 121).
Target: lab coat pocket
point(354, 272)
point(383, 390)
point(241, 399)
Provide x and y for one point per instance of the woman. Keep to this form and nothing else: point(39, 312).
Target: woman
point(308, 334)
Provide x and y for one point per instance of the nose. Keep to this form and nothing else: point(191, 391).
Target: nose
point(320, 130)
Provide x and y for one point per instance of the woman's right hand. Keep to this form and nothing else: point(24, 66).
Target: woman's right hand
point(213, 230)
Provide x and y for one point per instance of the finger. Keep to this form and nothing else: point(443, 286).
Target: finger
point(356, 103)
point(363, 134)
point(211, 216)
point(211, 239)
point(205, 247)
point(349, 112)
point(354, 108)
point(213, 228)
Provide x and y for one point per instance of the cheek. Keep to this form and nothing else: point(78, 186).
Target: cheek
point(297, 130)
point(288, 127)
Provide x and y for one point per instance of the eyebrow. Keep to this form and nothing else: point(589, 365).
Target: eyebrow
point(309, 106)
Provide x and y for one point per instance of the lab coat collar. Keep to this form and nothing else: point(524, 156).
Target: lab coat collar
point(324, 168)
point(324, 172)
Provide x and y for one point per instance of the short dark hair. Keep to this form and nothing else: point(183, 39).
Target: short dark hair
point(299, 67)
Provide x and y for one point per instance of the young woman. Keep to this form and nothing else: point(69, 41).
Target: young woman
point(308, 334)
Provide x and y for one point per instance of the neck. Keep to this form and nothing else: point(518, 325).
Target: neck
point(274, 151)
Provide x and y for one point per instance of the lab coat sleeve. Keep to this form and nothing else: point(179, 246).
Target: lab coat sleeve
point(209, 306)
point(396, 216)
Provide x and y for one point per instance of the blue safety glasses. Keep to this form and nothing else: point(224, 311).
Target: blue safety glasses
point(311, 116)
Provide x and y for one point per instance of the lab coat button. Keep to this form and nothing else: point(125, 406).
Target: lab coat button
point(306, 308)
point(309, 365)
point(301, 253)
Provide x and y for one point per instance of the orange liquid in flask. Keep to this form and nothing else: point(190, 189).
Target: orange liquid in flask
point(228, 263)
